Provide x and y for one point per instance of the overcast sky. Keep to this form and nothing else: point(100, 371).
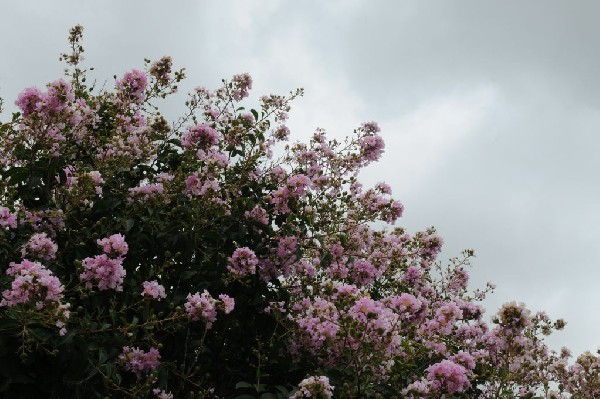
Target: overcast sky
point(489, 110)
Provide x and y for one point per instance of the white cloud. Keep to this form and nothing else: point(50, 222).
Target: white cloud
point(330, 102)
point(417, 142)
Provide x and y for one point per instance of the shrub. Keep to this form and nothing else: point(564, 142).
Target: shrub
point(148, 259)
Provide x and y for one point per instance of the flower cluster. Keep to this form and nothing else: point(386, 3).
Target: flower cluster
point(242, 83)
point(106, 271)
point(161, 394)
point(146, 192)
point(202, 306)
point(154, 290)
point(132, 86)
point(314, 387)
point(114, 245)
point(103, 272)
point(200, 136)
point(139, 362)
point(32, 284)
point(39, 247)
point(7, 218)
point(242, 262)
point(445, 377)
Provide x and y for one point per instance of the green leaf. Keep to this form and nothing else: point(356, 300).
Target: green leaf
point(188, 274)
point(5, 384)
point(129, 225)
point(282, 389)
point(243, 384)
point(102, 356)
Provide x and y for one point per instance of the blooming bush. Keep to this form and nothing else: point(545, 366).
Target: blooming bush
point(243, 274)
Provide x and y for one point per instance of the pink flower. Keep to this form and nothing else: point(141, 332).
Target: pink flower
point(114, 245)
point(281, 133)
point(33, 283)
point(371, 127)
point(7, 219)
point(202, 136)
point(202, 307)
point(514, 316)
point(258, 214)
point(314, 387)
point(319, 319)
point(139, 362)
point(371, 147)
point(154, 290)
point(242, 262)
point(448, 376)
point(363, 272)
point(29, 101)
point(196, 187)
point(103, 272)
point(160, 394)
point(98, 181)
point(228, 303)
point(144, 193)
point(383, 188)
point(241, 85)
point(133, 85)
point(39, 246)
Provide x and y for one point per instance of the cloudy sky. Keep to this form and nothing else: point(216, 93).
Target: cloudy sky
point(489, 110)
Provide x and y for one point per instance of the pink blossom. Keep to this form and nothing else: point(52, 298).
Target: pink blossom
point(319, 319)
point(160, 394)
point(98, 181)
point(286, 248)
point(213, 157)
point(133, 85)
point(139, 362)
point(448, 376)
point(114, 245)
point(227, 302)
point(248, 118)
point(32, 283)
point(241, 85)
point(146, 192)
point(405, 304)
point(363, 272)
point(39, 246)
point(62, 313)
point(161, 70)
point(242, 262)
point(258, 214)
point(281, 133)
point(371, 147)
point(314, 387)
point(196, 187)
point(29, 101)
point(464, 359)
point(202, 136)
point(383, 188)
point(7, 218)
point(514, 316)
point(154, 290)
point(202, 307)
point(104, 272)
point(371, 127)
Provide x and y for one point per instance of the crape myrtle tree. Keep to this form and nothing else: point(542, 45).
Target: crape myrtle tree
point(141, 258)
